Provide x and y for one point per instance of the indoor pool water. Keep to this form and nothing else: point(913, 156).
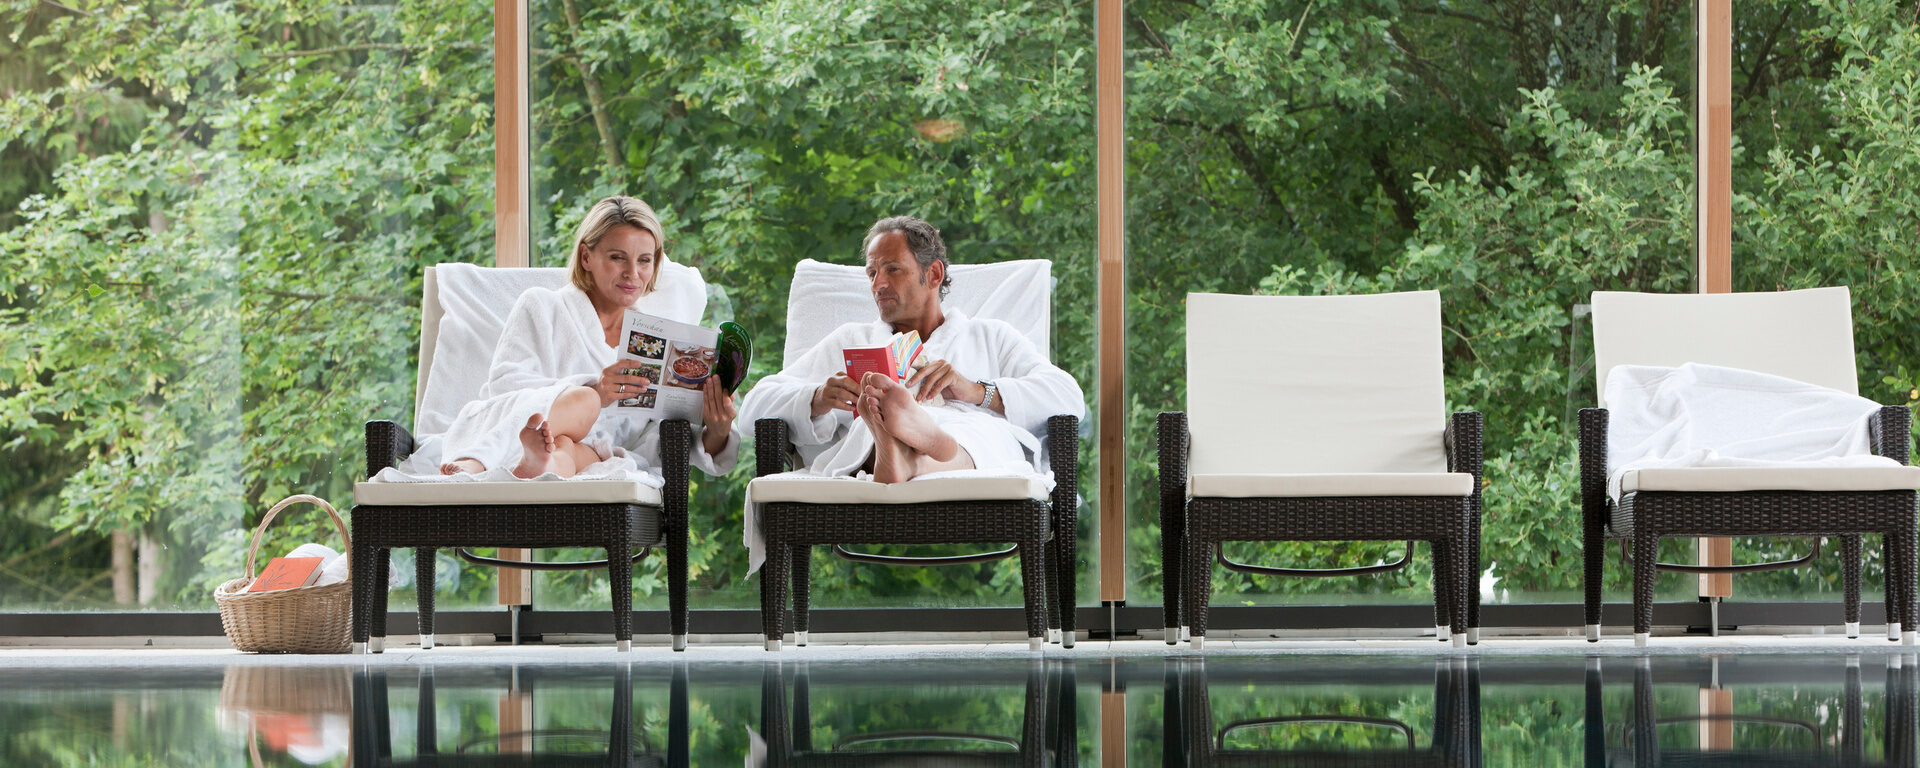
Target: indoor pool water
point(1746, 710)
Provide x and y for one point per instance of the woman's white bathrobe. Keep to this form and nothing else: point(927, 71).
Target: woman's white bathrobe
point(553, 340)
point(837, 443)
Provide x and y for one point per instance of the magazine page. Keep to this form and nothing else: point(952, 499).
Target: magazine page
point(677, 357)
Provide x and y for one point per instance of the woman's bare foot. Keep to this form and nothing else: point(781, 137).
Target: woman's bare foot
point(537, 440)
point(907, 420)
point(892, 462)
point(469, 466)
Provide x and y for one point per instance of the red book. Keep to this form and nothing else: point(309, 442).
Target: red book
point(287, 573)
point(893, 358)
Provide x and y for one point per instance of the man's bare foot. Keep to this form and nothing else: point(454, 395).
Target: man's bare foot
point(892, 462)
point(908, 420)
point(469, 466)
point(537, 440)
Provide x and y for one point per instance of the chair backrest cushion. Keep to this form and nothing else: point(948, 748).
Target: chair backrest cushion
point(464, 308)
point(824, 297)
point(1315, 384)
point(1805, 335)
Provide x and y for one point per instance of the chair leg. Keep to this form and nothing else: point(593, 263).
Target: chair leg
point(382, 566)
point(423, 562)
point(1443, 579)
point(1850, 580)
point(1594, 556)
point(773, 592)
point(802, 567)
point(1645, 547)
point(1066, 581)
point(1909, 550)
point(1172, 543)
point(1457, 547)
point(1889, 553)
point(677, 583)
point(1198, 575)
point(364, 596)
point(1033, 578)
point(620, 578)
point(1472, 582)
point(1442, 590)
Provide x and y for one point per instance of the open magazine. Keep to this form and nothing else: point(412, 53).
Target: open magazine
point(676, 357)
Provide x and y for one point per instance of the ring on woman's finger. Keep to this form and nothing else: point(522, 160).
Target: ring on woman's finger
point(623, 388)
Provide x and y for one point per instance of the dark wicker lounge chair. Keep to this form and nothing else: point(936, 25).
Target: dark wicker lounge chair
point(1803, 335)
point(617, 516)
point(797, 515)
point(1325, 426)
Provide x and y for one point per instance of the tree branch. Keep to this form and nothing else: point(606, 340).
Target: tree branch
point(595, 99)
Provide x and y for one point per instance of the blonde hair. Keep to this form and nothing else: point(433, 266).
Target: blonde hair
point(601, 219)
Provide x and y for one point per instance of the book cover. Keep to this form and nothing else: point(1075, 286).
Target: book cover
point(894, 358)
point(287, 573)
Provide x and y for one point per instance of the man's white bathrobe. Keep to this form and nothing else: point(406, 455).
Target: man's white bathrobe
point(553, 340)
point(837, 443)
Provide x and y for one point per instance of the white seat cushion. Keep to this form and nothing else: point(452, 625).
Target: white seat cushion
point(847, 490)
point(526, 492)
point(1358, 484)
point(1727, 479)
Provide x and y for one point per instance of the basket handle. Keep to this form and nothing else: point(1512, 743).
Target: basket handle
point(254, 548)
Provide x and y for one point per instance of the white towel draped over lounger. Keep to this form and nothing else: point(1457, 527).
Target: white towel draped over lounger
point(1697, 416)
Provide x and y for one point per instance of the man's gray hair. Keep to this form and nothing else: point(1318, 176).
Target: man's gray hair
point(922, 239)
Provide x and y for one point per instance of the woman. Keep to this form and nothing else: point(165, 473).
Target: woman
point(556, 368)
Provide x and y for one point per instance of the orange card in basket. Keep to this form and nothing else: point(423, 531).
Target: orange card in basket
point(287, 573)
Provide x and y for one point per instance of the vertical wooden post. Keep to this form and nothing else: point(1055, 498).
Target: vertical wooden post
point(512, 226)
point(1713, 181)
point(1110, 106)
point(1716, 727)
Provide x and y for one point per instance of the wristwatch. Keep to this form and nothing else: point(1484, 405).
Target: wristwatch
point(993, 391)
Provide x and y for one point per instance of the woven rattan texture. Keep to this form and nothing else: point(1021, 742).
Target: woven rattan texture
point(1199, 526)
point(792, 529)
point(618, 528)
point(1646, 517)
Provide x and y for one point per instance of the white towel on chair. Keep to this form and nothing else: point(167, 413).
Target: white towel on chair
point(1708, 416)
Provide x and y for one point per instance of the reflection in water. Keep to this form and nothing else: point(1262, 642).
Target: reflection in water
point(1739, 718)
point(863, 729)
point(1310, 716)
point(1745, 710)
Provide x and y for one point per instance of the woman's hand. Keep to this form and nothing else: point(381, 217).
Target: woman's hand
point(620, 381)
point(719, 414)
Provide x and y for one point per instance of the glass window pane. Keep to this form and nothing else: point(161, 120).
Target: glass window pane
point(764, 133)
point(212, 229)
point(1514, 159)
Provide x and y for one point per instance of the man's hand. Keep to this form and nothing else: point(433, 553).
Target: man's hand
point(839, 393)
point(719, 413)
point(619, 382)
point(939, 378)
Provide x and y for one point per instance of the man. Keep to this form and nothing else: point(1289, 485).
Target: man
point(994, 389)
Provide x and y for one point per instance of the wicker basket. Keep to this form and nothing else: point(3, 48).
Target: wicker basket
point(315, 619)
